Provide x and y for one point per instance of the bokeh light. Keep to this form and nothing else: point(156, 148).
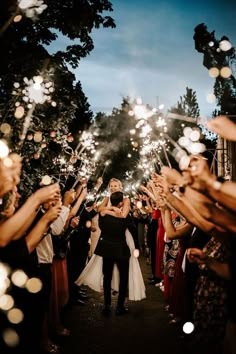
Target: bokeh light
point(19, 278)
point(6, 302)
point(214, 72)
point(211, 98)
point(15, 316)
point(4, 150)
point(225, 72)
point(10, 337)
point(225, 45)
point(34, 285)
point(188, 327)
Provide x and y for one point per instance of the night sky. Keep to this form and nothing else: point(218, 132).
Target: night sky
point(151, 54)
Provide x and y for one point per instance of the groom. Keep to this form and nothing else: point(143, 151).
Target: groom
point(113, 248)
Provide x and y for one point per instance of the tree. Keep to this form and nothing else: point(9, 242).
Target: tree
point(218, 54)
point(186, 106)
point(25, 53)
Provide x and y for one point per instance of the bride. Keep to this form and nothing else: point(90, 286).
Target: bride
point(92, 275)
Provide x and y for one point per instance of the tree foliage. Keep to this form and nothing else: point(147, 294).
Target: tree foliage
point(186, 106)
point(27, 50)
point(216, 56)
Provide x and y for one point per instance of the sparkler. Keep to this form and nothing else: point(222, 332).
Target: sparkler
point(107, 163)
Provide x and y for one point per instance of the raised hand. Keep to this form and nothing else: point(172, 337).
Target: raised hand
point(195, 255)
point(224, 127)
point(75, 222)
point(69, 197)
point(172, 176)
point(48, 193)
point(52, 212)
point(200, 172)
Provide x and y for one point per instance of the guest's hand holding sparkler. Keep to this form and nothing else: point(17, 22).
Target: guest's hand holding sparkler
point(47, 194)
point(75, 222)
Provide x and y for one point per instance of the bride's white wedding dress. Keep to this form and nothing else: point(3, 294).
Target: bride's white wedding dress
point(92, 274)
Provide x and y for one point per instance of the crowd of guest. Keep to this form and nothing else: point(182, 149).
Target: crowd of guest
point(191, 238)
point(35, 239)
point(183, 221)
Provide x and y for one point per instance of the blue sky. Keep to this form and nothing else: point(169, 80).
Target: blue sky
point(151, 54)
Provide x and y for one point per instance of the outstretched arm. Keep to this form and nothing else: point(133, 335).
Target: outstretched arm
point(16, 226)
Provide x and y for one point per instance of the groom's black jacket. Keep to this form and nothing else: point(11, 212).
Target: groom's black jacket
point(112, 242)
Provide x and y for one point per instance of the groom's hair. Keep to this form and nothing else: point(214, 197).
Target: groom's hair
point(116, 198)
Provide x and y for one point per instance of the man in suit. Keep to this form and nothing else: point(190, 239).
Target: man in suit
point(113, 248)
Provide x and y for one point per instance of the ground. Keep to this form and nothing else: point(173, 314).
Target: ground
point(145, 329)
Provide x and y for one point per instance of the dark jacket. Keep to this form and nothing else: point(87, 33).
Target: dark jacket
point(112, 242)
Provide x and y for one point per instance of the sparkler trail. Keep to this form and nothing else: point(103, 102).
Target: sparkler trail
point(166, 155)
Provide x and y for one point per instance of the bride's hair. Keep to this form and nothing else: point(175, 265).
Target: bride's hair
point(117, 181)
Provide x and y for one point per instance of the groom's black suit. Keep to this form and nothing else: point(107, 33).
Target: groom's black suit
point(113, 248)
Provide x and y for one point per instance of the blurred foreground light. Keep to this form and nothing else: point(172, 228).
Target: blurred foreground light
point(38, 137)
point(4, 150)
point(161, 106)
point(6, 302)
point(10, 337)
point(225, 72)
point(183, 141)
point(7, 162)
point(34, 285)
point(225, 45)
point(214, 72)
point(4, 281)
point(88, 224)
point(140, 111)
point(196, 148)
point(136, 253)
point(194, 135)
point(131, 113)
point(19, 112)
point(211, 98)
point(19, 278)
point(15, 316)
point(5, 128)
point(139, 100)
point(188, 327)
point(24, 4)
point(184, 162)
point(17, 18)
point(132, 131)
point(187, 131)
point(139, 204)
point(46, 180)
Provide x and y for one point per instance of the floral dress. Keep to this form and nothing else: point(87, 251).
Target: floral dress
point(209, 301)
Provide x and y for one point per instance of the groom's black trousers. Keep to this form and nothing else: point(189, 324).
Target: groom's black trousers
point(123, 267)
